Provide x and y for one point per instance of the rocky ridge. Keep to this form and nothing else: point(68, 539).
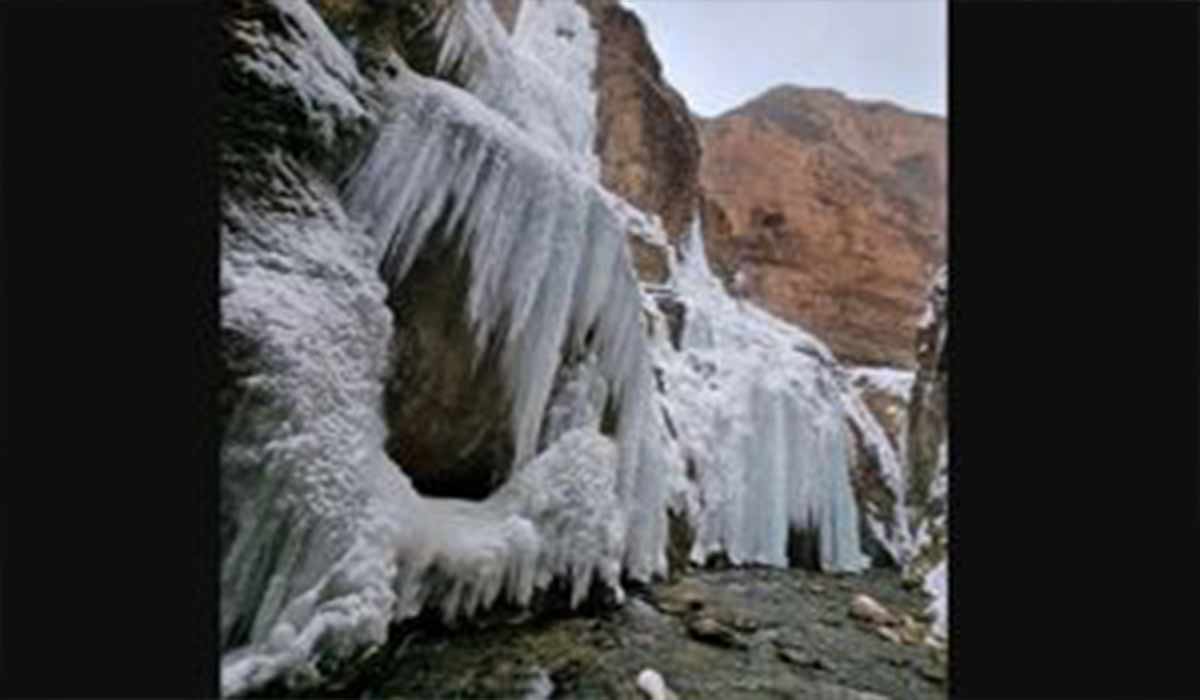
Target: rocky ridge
point(831, 212)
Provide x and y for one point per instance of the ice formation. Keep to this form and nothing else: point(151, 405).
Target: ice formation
point(937, 584)
point(759, 411)
point(545, 247)
point(546, 254)
point(896, 383)
point(540, 78)
point(328, 541)
point(931, 546)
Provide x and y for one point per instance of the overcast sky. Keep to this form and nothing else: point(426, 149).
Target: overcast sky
point(720, 53)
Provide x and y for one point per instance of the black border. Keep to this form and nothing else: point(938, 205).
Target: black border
point(1073, 388)
point(110, 225)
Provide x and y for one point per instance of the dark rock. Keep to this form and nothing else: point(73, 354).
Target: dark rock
point(680, 537)
point(708, 630)
point(449, 442)
point(675, 312)
point(678, 599)
point(932, 672)
point(799, 657)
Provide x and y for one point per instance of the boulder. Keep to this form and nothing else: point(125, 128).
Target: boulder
point(866, 608)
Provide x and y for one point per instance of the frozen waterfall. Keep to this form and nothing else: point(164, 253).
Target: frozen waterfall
point(759, 415)
point(742, 428)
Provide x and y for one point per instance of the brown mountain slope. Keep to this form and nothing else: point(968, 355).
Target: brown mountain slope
point(830, 212)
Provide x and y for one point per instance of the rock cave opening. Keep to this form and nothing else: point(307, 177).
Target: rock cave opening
point(445, 403)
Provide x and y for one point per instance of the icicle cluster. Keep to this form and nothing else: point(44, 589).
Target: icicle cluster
point(759, 416)
point(504, 177)
point(540, 78)
point(546, 251)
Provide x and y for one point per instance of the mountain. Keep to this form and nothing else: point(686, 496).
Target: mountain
point(830, 212)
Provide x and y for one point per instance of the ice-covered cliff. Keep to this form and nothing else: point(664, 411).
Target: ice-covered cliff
point(444, 386)
point(927, 450)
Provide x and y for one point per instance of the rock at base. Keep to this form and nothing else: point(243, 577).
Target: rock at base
point(864, 607)
point(706, 629)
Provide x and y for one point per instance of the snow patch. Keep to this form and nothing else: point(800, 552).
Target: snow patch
point(896, 383)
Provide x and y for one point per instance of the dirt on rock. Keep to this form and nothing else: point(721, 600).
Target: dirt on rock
point(763, 633)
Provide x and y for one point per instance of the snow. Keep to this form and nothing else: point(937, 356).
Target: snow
point(300, 464)
point(937, 585)
point(558, 517)
point(940, 487)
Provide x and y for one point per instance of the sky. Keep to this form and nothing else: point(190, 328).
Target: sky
point(721, 53)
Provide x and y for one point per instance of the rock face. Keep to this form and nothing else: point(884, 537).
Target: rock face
point(927, 440)
point(648, 145)
point(927, 431)
point(831, 213)
point(927, 448)
point(886, 392)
